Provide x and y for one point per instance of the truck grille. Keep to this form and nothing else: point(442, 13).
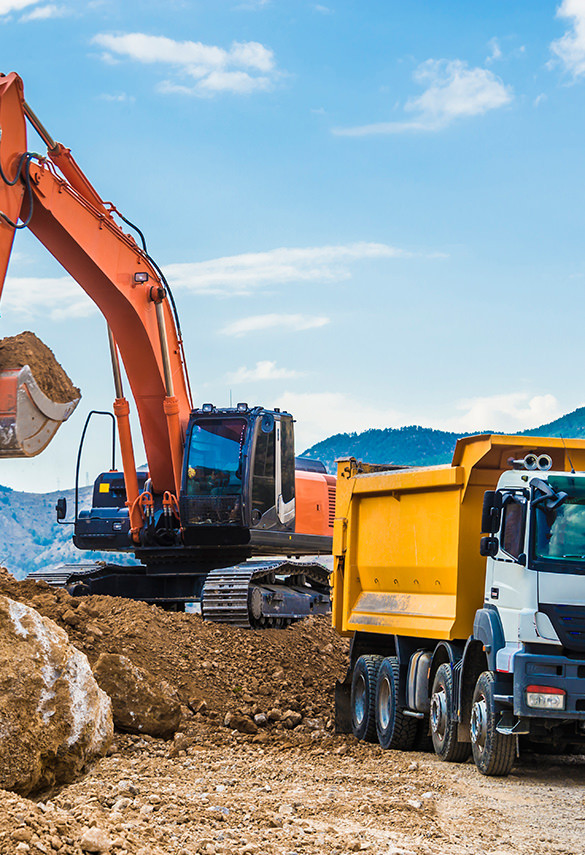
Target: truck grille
point(569, 623)
point(331, 505)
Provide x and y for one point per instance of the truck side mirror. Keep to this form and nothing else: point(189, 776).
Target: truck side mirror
point(488, 547)
point(491, 511)
point(61, 508)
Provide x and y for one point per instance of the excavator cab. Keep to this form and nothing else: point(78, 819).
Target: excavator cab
point(238, 474)
point(238, 478)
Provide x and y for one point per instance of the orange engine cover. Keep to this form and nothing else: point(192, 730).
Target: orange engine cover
point(315, 503)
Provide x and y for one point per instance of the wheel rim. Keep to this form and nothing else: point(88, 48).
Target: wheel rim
point(384, 703)
point(439, 713)
point(359, 704)
point(479, 723)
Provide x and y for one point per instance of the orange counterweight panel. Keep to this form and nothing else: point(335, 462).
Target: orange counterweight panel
point(314, 503)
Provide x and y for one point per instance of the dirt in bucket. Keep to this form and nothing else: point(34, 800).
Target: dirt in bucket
point(26, 349)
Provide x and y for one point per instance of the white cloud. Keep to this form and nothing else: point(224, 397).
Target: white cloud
point(496, 51)
point(121, 98)
point(454, 90)
point(539, 99)
point(240, 274)
point(504, 412)
point(291, 323)
point(8, 6)
point(58, 298)
point(264, 370)
point(570, 48)
point(321, 414)
point(43, 13)
point(203, 70)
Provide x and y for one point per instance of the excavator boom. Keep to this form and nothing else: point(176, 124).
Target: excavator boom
point(78, 228)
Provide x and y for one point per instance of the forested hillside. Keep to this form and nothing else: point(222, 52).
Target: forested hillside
point(420, 446)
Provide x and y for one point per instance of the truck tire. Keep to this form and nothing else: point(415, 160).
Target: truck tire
point(494, 753)
point(394, 729)
point(363, 697)
point(443, 721)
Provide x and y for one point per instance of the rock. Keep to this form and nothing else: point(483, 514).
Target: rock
point(55, 719)
point(274, 715)
point(291, 718)
point(260, 719)
point(197, 706)
point(240, 723)
point(24, 834)
point(71, 618)
point(95, 840)
point(94, 630)
point(141, 703)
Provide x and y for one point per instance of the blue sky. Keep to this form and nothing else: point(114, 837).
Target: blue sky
point(370, 212)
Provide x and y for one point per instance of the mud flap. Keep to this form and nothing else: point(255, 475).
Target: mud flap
point(343, 706)
point(28, 418)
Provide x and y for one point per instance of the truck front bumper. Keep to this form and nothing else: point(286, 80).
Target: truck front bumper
point(559, 672)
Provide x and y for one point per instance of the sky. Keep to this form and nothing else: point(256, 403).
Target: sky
point(370, 213)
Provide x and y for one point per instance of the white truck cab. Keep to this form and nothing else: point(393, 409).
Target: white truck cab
point(535, 582)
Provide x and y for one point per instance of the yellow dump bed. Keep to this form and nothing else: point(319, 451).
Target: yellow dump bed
point(406, 540)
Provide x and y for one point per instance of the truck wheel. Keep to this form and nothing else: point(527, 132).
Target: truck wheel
point(363, 697)
point(493, 752)
point(443, 722)
point(395, 730)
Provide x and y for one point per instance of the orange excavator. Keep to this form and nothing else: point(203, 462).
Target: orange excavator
point(221, 491)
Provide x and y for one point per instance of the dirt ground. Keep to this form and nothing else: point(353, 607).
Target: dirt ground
point(223, 792)
point(292, 786)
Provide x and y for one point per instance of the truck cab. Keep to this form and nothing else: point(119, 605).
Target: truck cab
point(535, 583)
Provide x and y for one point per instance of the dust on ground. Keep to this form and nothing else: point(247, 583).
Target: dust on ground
point(280, 791)
point(26, 349)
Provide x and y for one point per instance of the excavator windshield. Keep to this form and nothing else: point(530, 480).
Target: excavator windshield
point(214, 463)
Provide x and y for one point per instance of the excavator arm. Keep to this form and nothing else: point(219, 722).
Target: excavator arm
point(55, 200)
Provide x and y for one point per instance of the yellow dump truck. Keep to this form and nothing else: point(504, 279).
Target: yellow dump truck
point(463, 643)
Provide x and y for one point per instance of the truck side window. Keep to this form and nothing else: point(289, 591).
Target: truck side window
point(512, 538)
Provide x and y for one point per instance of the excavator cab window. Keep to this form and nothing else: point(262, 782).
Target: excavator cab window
point(287, 457)
point(264, 482)
point(214, 465)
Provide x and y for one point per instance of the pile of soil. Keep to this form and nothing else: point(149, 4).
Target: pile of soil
point(26, 349)
point(215, 669)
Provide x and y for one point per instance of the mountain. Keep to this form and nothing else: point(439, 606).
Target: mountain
point(30, 536)
point(418, 446)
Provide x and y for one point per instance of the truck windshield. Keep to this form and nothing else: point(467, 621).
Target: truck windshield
point(559, 533)
point(214, 462)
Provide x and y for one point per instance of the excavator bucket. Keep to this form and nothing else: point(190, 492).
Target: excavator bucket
point(28, 418)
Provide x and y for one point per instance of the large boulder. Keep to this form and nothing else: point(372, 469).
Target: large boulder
point(54, 718)
point(141, 703)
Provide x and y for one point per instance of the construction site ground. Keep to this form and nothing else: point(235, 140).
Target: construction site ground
point(292, 786)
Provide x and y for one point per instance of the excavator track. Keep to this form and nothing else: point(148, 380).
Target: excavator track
point(255, 594)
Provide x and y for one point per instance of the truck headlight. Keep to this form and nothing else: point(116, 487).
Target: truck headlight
point(545, 698)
